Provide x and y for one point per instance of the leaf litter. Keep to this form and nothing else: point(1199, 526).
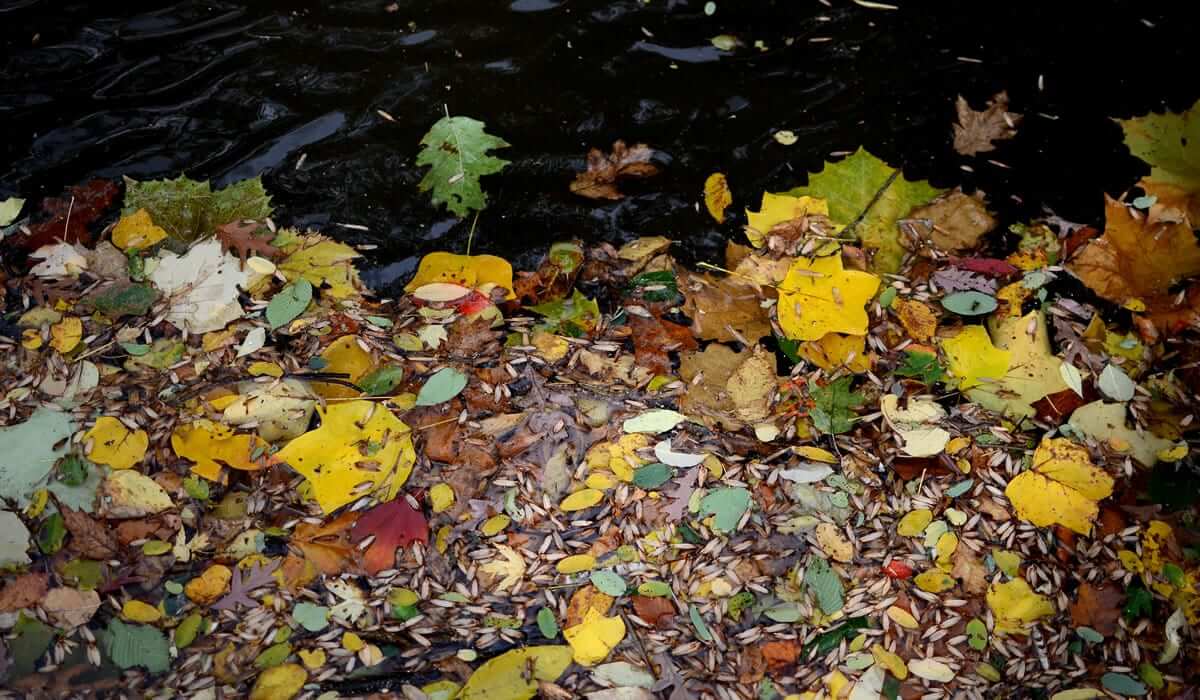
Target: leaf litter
point(292, 487)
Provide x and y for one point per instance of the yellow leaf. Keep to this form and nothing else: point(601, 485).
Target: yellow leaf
point(816, 454)
point(359, 449)
point(113, 444)
point(551, 347)
point(777, 209)
point(1033, 370)
point(441, 497)
point(819, 296)
point(515, 675)
point(344, 356)
point(472, 271)
point(934, 581)
point(1062, 487)
point(902, 617)
point(717, 196)
point(130, 494)
point(211, 446)
point(1105, 423)
point(494, 525)
point(206, 588)
point(751, 386)
point(916, 425)
point(31, 339)
point(585, 498)
point(893, 663)
point(1007, 561)
point(137, 231)
point(137, 611)
point(324, 262)
point(600, 481)
point(593, 639)
point(352, 642)
point(269, 369)
point(835, 545)
point(312, 658)
point(917, 318)
point(1015, 606)
point(281, 682)
point(914, 523)
point(575, 564)
point(835, 350)
point(66, 334)
point(972, 358)
point(510, 569)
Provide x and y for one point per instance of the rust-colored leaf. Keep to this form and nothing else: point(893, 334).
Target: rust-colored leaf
point(240, 237)
point(603, 171)
point(1098, 608)
point(24, 591)
point(653, 338)
point(654, 611)
point(394, 524)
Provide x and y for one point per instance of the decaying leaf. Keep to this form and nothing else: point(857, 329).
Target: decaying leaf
point(976, 132)
point(599, 181)
point(717, 196)
point(954, 222)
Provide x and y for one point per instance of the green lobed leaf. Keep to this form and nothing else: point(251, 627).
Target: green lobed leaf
point(189, 210)
point(289, 303)
point(1170, 143)
point(575, 317)
point(834, 404)
point(444, 385)
point(456, 151)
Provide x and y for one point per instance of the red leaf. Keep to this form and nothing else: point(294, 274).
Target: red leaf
point(1057, 407)
point(654, 337)
point(70, 216)
point(985, 266)
point(898, 570)
point(395, 524)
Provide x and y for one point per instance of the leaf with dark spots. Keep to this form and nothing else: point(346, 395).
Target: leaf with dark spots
point(394, 524)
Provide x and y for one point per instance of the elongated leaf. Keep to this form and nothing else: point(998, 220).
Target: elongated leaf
point(289, 303)
point(441, 387)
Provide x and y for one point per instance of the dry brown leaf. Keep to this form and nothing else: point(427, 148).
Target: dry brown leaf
point(653, 338)
point(654, 611)
point(24, 591)
point(1098, 608)
point(724, 308)
point(975, 132)
point(327, 545)
point(954, 222)
point(970, 571)
point(603, 171)
point(780, 654)
point(1136, 260)
point(239, 237)
point(89, 538)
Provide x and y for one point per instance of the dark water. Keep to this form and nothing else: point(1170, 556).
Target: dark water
point(223, 90)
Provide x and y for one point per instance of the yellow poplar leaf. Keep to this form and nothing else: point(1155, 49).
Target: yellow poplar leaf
point(137, 611)
point(972, 358)
point(441, 497)
point(510, 568)
point(1033, 370)
point(515, 675)
point(114, 444)
point(777, 209)
point(820, 296)
point(913, 524)
point(917, 318)
point(66, 334)
point(1062, 487)
point(833, 351)
point(902, 617)
point(130, 494)
point(835, 545)
point(344, 356)
point(206, 588)
point(580, 500)
point(211, 446)
point(360, 448)
point(593, 639)
point(717, 196)
point(137, 230)
point(471, 271)
point(892, 662)
point(1015, 606)
point(816, 454)
point(282, 682)
point(575, 564)
point(494, 525)
point(326, 264)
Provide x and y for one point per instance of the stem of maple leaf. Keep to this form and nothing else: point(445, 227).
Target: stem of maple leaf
point(471, 235)
point(874, 200)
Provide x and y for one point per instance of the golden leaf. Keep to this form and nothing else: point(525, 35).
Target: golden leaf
point(819, 296)
point(1062, 487)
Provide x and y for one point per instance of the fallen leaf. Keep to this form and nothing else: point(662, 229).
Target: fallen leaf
point(653, 338)
point(953, 223)
point(1016, 606)
point(245, 583)
point(1061, 488)
point(717, 196)
point(136, 230)
point(918, 319)
point(593, 638)
point(279, 411)
point(202, 287)
point(509, 569)
point(328, 546)
point(70, 607)
point(326, 265)
point(205, 210)
point(834, 351)
point(833, 543)
point(1098, 608)
point(916, 425)
point(976, 132)
point(213, 446)
point(779, 209)
point(24, 591)
point(395, 525)
point(129, 494)
point(281, 682)
point(115, 445)
point(1105, 423)
point(516, 674)
point(657, 611)
point(1168, 143)
point(599, 181)
point(66, 334)
point(470, 271)
point(456, 151)
point(243, 239)
point(819, 296)
point(1033, 371)
point(28, 451)
point(973, 359)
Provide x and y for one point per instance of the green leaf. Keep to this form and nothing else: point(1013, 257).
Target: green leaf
point(10, 209)
point(380, 382)
point(652, 476)
point(923, 366)
point(29, 450)
point(136, 645)
point(196, 487)
point(311, 616)
point(1122, 684)
point(702, 630)
point(289, 303)
point(1174, 574)
point(547, 623)
point(575, 317)
point(444, 385)
point(125, 300)
point(1138, 602)
point(740, 602)
point(825, 585)
point(1151, 676)
point(654, 589)
point(33, 638)
point(960, 488)
point(273, 655)
point(1089, 635)
point(1170, 144)
point(834, 403)
point(164, 352)
point(189, 210)
point(456, 151)
point(969, 303)
point(887, 297)
point(977, 634)
point(609, 583)
point(828, 641)
point(863, 185)
point(188, 630)
point(51, 534)
point(784, 612)
point(73, 470)
point(727, 506)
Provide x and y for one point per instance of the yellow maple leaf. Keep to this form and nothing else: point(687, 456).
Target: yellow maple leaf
point(717, 196)
point(115, 445)
point(510, 568)
point(211, 446)
point(1016, 605)
point(777, 209)
point(971, 357)
point(1033, 370)
point(471, 271)
point(360, 448)
point(137, 230)
point(1062, 487)
point(820, 296)
point(324, 262)
point(344, 356)
point(66, 334)
point(836, 350)
point(595, 637)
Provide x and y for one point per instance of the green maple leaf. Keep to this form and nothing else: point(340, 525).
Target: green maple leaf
point(851, 186)
point(189, 210)
point(1170, 144)
point(923, 366)
point(833, 412)
point(456, 151)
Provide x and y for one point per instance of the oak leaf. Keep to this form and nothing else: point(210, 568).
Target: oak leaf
point(975, 131)
point(240, 237)
point(599, 181)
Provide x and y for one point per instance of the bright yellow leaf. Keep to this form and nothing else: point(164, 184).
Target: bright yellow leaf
point(515, 674)
point(835, 544)
point(1015, 606)
point(717, 196)
point(282, 682)
point(114, 444)
point(1062, 487)
point(137, 611)
point(835, 350)
point(593, 639)
point(137, 230)
point(441, 497)
point(472, 271)
point(510, 568)
point(972, 358)
point(892, 662)
point(324, 262)
point(585, 498)
point(352, 642)
point(206, 588)
point(575, 564)
point(1033, 370)
point(902, 617)
point(66, 334)
point(1105, 423)
point(777, 209)
point(934, 581)
point(494, 525)
point(212, 445)
point(819, 296)
point(344, 356)
point(312, 658)
point(359, 449)
point(914, 522)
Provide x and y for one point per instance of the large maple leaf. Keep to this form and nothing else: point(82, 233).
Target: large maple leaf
point(869, 197)
point(394, 524)
point(1170, 144)
point(456, 151)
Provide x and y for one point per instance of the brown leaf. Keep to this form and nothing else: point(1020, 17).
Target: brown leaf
point(586, 598)
point(1135, 260)
point(780, 654)
point(70, 216)
point(970, 571)
point(327, 545)
point(975, 131)
point(89, 538)
point(653, 338)
point(1098, 608)
point(239, 236)
point(1055, 408)
point(654, 611)
point(724, 309)
point(954, 222)
point(473, 339)
point(600, 179)
point(24, 591)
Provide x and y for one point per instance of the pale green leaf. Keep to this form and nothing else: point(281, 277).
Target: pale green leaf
point(441, 387)
point(289, 303)
point(136, 645)
point(727, 506)
point(10, 209)
point(29, 450)
point(189, 210)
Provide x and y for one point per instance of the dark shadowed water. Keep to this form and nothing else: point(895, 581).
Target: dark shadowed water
point(294, 89)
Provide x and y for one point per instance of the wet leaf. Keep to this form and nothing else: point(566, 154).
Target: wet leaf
point(977, 132)
point(444, 385)
point(819, 296)
point(114, 444)
point(202, 285)
point(834, 404)
point(394, 525)
point(727, 505)
point(515, 674)
point(1062, 487)
point(1115, 384)
point(136, 645)
point(456, 151)
point(136, 230)
point(289, 303)
point(609, 583)
point(1170, 145)
point(205, 209)
point(717, 196)
point(969, 303)
point(593, 639)
point(599, 181)
point(470, 271)
point(1016, 605)
point(1122, 684)
point(326, 265)
point(1105, 423)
